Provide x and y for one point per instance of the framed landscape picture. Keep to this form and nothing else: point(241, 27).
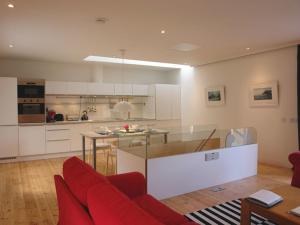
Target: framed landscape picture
point(265, 94)
point(215, 96)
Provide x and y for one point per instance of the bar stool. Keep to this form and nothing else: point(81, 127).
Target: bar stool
point(105, 147)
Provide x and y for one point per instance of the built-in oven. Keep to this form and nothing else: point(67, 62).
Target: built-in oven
point(31, 89)
point(31, 101)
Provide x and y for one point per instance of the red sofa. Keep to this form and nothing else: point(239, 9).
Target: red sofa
point(294, 158)
point(86, 197)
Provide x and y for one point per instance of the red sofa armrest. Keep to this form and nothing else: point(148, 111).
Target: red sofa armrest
point(131, 184)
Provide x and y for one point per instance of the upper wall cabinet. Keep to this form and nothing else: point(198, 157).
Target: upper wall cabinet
point(100, 89)
point(123, 89)
point(140, 90)
point(168, 103)
point(8, 101)
point(77, 88)
point(56, 88)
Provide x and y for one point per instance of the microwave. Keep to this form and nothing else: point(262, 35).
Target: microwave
point(31, 89)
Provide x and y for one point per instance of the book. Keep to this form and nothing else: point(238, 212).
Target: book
point(295, 211)
point(265, 198)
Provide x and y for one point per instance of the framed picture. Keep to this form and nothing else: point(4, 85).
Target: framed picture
point(265, 94)
point(215, 96)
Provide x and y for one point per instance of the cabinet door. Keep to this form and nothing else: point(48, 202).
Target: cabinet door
point(8, 101)
point(32, 140)
point(77, 88)
point(176, 103)
point(100, 89)
point(163, 102)
point(9, 141)
point(140, 90)
point(56, 88)
point(76, 138)
point(123, 89)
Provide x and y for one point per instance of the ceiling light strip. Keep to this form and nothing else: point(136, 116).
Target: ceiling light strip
point(92, 58)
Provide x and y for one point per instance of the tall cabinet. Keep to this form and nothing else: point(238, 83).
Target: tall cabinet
point(168, 101)
point(8, 117)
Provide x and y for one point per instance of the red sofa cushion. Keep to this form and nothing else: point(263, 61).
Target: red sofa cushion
point(79, 177)
point(70, 210)
point(159, 211)
point(108, 206)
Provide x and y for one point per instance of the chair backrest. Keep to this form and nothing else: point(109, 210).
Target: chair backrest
point(71, 212)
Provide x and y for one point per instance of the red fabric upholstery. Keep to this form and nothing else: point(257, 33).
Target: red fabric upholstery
point(70, 210)
point(294, 158)
point(131, 184)
point(109, 206)
point(79, 177)
point(160, 211)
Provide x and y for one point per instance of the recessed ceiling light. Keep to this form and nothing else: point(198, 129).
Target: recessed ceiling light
point(10, 5)
point(11, 46)
point(162, 31)
point(92, 58)
point(247, 49)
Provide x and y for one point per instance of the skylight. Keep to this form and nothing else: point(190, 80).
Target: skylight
point(93, 58)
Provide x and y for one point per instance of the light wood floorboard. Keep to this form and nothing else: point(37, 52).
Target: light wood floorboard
point(27, 192)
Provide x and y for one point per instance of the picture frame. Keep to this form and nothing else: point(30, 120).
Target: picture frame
point(215, 96)
point(264, 94)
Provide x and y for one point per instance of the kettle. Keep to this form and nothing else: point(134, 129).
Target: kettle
point(84, 115)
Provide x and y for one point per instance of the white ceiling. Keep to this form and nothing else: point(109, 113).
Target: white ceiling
point(65, 30)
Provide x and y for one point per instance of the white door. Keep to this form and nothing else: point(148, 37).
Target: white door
point(8, 101)
point(8, 141)
point(77, 88)
point(32, 140)
point(56, 88)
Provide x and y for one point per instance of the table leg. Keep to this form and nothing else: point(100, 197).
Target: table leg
point(94, 153)
point(83, 148)
point(245, 213)
point(166, 138)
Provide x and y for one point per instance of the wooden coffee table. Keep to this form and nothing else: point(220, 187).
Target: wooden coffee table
point(278, 213)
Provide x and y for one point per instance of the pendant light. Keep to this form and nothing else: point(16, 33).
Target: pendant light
point(123, 106)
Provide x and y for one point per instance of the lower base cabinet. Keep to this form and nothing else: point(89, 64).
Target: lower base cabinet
point(32, 140)
point(58, 139)
point(9, 141)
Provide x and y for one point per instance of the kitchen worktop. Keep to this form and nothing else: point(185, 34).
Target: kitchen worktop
point(85, 121)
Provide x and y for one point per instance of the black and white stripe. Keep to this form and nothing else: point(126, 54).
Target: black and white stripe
point(228, 213)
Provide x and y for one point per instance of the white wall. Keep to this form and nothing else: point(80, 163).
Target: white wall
point(83, 72)
point(277, 130)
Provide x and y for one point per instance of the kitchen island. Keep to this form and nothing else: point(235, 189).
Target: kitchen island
point(119, 134)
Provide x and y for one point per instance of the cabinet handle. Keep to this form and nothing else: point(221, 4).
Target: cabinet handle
point(58, 129)
point(60, 140)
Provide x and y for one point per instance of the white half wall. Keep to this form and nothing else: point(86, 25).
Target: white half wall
point(276, 126)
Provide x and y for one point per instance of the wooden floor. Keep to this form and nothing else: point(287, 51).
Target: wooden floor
point(27, 192)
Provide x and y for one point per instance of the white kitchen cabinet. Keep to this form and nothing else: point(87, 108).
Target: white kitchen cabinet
point(76, 138)
point(140, 90)
point(32, 140)
point(100, 89)
point(168, 104)
point(56, 87)
point(123, 89)
point(58, 139)
point(8, 101)
point(77, 88)
point(9, 141)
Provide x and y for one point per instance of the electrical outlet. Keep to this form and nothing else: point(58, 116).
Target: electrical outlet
point(212, 156)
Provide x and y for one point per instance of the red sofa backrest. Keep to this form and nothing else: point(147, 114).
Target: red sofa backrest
point(71, 211)
point(108, 205)
point(79, 177)
point(294, 159)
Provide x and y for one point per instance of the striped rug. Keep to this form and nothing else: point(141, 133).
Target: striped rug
point(228, 213)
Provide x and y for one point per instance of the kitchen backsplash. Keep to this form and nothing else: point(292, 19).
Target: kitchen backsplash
point(100, 107)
